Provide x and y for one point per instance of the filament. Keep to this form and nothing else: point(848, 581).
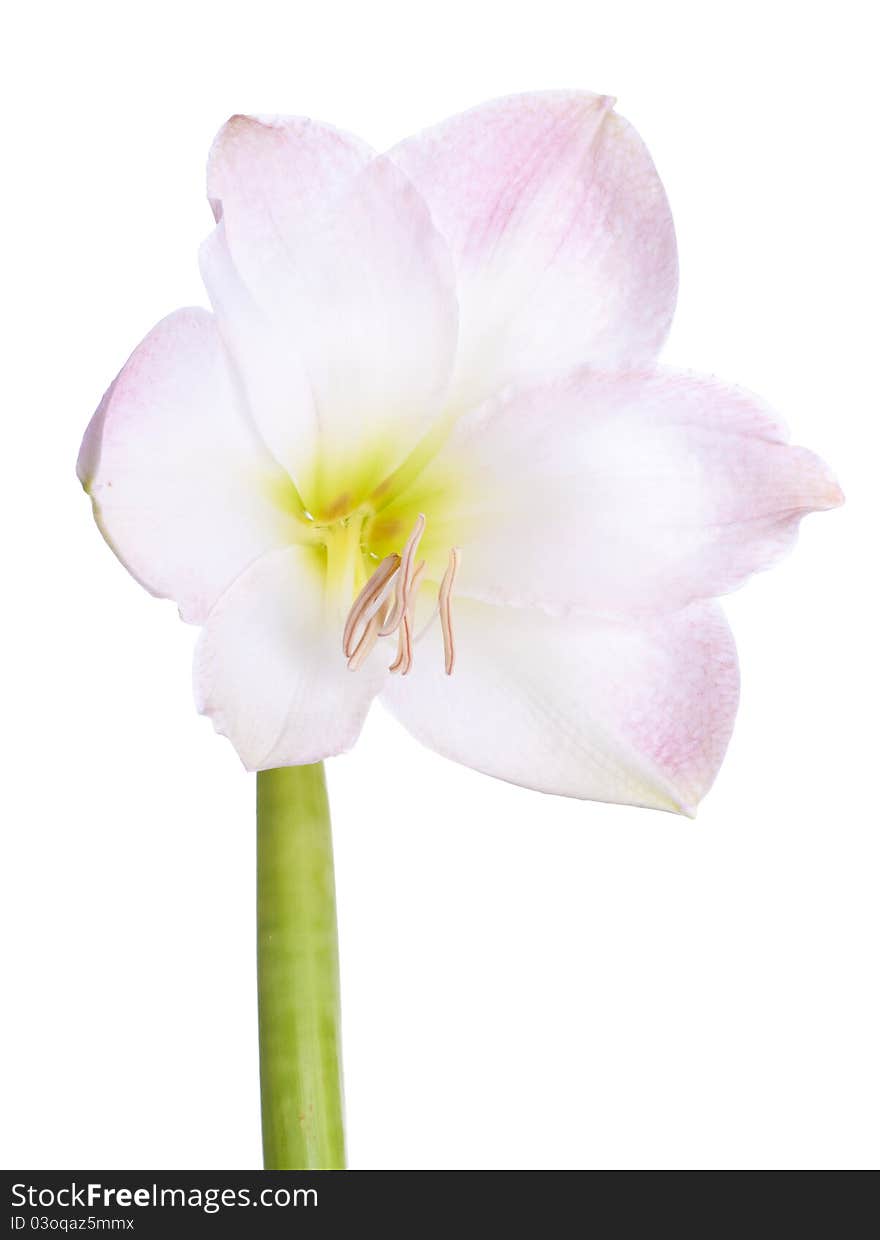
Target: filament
point(445, 605)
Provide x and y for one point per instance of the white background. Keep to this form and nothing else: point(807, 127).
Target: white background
point(527, 982)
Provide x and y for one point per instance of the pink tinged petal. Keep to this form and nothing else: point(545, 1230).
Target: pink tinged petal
point(337, 302)
point(182, 487)
point(561, 234)
point(269, 174)
point(269, 670)
point(624, 494)
point(606, 711)
point(269, 180)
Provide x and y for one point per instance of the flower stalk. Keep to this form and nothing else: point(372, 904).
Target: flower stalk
point(298, 973)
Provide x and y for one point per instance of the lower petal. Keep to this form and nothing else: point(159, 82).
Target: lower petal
point(269, 669)
point(629, 714)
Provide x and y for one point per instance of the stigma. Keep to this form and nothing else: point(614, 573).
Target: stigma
point(386, 605)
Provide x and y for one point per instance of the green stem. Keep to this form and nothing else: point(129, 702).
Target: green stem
point(298, 973)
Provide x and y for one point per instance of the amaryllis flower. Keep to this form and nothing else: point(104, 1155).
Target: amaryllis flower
point(419, 449)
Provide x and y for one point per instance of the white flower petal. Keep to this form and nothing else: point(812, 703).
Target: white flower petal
point(270, 175)
point(269, 668)
point(624, 494)
point(630, 714)
point(183, 489)
point(340, 312)
point(561, 233)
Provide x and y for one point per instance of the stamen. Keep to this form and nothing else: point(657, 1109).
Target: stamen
point(404, 579)
point(372, 615)
point(367, 642)
point(368, 601)
point(404, 648)
point(403, 662)
point(445, 603)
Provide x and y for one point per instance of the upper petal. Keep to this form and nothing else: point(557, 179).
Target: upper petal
point(182, 487)
point(269, 668)
point(561, 234)
point(619, 494)
point(608, 711)
point(268, 176)
point(337, 302)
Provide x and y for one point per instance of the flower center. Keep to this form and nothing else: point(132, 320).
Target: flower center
point(386, 605)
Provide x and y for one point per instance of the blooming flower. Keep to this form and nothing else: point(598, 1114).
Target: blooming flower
point(420, 449)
